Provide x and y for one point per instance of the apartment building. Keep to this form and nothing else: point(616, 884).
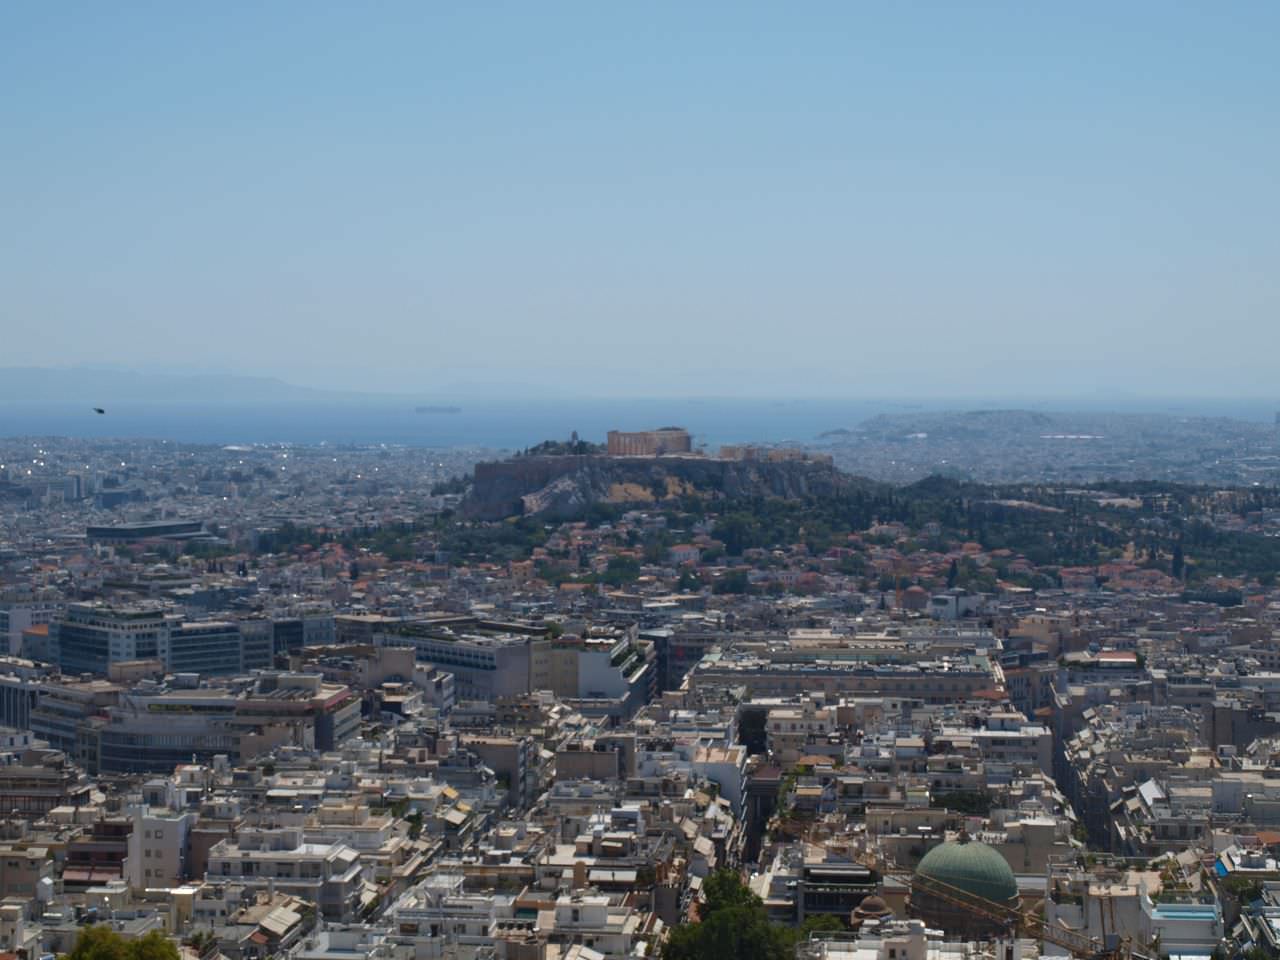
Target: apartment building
point(581, 918)
point(1006, 737)
point(90, 637)
point(792, 729)
point(929, 681)
point(158, 847)
point(26, 872)
point(327, 874)
point(19, 615)
point(34, 781)
point(487, 660)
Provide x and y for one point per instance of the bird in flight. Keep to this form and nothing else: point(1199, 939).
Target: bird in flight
point(98, 410)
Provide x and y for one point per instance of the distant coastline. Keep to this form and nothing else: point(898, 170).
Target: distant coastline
point(504, 423)
point(430, 409)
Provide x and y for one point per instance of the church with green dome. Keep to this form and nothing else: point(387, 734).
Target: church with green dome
point(963, 868)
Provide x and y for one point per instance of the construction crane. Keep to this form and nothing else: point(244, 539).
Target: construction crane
point(1021, 923)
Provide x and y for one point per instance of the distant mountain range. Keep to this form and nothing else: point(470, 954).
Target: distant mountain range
point(1006, 425)
point(1031, 446)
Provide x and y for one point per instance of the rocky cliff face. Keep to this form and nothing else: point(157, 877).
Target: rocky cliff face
point(563, 487)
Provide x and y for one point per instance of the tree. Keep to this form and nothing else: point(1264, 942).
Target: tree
point(688, 581)
point(820, 923)
point(953, 573)
point(154, 946)
point(724, 890)
point(1179, 564)
point(734, 926)
point(1244, 889)
point(99, 943)
point(453, 485)
point(620, 570)
point(415, 824)
point(102, 943)
point(735, 581)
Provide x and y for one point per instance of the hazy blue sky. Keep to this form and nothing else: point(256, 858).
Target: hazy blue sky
point(829, 199)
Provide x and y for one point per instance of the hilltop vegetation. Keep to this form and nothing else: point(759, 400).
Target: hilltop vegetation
point(1169, 529)
point(562, 448)
point(1029, 534)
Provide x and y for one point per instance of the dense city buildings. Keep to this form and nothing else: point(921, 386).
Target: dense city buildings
point(309, 702)
point(674, 482)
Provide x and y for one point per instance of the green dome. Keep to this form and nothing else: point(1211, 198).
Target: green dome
point(972, 867)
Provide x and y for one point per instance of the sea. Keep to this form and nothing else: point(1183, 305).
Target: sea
point(513, 424)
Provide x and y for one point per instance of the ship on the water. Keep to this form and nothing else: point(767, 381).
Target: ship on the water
point(437, 409)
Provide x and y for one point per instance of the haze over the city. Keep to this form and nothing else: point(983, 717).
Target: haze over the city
point(718, 199)
point(653, 481)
